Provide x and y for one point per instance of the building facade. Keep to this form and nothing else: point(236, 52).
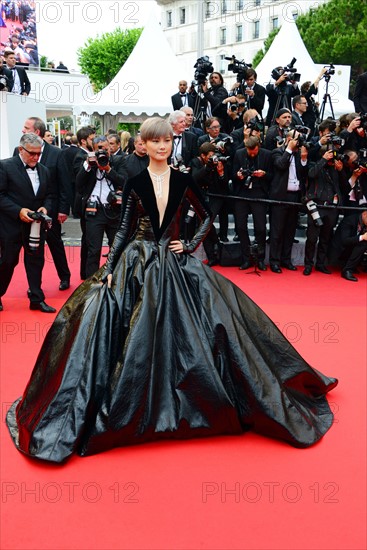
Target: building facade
point(230, 27)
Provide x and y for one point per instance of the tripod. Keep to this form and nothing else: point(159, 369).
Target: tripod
point(282, 102)
point(200, 108)
point(326, 98)
point(254, 256)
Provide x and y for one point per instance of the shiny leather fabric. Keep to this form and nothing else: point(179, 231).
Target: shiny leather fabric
point(172, 350)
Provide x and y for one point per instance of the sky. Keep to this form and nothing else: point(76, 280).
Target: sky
point(64, 26)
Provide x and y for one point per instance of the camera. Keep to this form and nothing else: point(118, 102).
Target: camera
point(329, 72)
point(214, 159)
point(233, 107)
point(302, 138)
point(363, 124)
point(239, 68)
point(39, 219)
point(313, 211)
point(256, 123)
point(178, 162)
point(362, 158)
point(335, 140)
point(222, 144)
point(247, 174)
point(91, 207)
point(203, 67)
point(289, 71)
point(114, 198)
point(102, 157)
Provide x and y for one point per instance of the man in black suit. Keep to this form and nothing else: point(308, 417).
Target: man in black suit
point(290, 173)
point(190, 119)
point(100, 181)
point(360, 94)
point(300, 105)
point(21, 83)
point(184, 143)
point(212, 127)
point(25, 187)
point(278, 131)
point(182, 98)
point(69, 154)
point(252, 174)
point(85, 136)
point(254, 93)
point(53, 158)
point(6, 78)
point(115, 145)
point(350, 243)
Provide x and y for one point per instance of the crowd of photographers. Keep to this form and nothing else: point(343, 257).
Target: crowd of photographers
point(292, 162)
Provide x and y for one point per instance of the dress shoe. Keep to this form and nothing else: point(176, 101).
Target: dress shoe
point(295, 241)
point(29, 293)
point(42, 306)
point(275, 268)
point(323, 269)
point(307, 270)
point(348, 275)
point(1, 306)
point(224, 239)
point(245, 265)
point(289, 265)
point(212, 262)
point(64, 285)
point(236, 239)
point(261, 265)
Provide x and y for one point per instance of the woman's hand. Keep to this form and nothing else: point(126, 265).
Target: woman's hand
point(176, 247)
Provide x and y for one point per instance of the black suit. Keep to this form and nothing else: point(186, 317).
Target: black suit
point(16, 192)
point(296, 120)
point(54, 159)
point(360, 94)
point(106, 219)
point(284, 217)
point(69, 154)
point(257, 101)
point(25, 84)
point(346, 244)
point(189, 147)
point(259, 190)
point(177, 101)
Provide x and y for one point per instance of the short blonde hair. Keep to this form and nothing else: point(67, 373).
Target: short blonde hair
point(154, 128)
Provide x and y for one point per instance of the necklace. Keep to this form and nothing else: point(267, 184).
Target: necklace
point(158, 180)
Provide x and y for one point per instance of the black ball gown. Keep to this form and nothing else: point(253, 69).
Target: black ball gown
point(171, 350)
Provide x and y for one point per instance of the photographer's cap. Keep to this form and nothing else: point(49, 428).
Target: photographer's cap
point(282, 112)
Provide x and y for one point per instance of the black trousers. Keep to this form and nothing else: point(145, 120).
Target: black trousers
point(216, 205)
point(9, 259)
point(57, 249)
point(242, 210)
point(356, 256)
point(106, 221)
point(320, 237)
point(283, 230)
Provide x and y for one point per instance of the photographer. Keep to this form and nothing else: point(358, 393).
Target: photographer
point(322, 189)
point(281, 91)
point(290, 173)
point(355, 134)
point(276, 133)
point(215, 94)
point(308, 89)
point(212, 127)
point(100, 181)
point(6, 78)
point(252, 126)
point(234, 116)
point(354, 180)
point(326, 133)
point(25, 188)
point(210, 171)
point(252, 174)
point(254, 93)
point(353, 233)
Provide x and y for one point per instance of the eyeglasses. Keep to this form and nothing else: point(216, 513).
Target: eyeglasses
point(31, 153)
point(214, 127)
point(302, 103)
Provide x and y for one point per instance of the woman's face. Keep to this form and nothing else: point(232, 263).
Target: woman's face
point(159, 148)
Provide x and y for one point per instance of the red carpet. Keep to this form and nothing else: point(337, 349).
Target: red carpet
point(244, 492)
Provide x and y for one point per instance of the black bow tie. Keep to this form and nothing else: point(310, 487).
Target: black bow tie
point(183, 95)
point(29, 167)
point(177, 137)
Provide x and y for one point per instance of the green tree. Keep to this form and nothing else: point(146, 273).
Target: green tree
point(101, 58)
point(267, 43)
point(336, 33)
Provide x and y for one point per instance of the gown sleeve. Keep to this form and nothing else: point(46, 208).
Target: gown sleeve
point(197, 200)
point(123, 233)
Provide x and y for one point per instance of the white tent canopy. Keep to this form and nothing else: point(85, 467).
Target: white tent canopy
point(145, 83)
point(287, 44)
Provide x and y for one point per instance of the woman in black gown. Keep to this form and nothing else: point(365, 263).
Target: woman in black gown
point(157, 345)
